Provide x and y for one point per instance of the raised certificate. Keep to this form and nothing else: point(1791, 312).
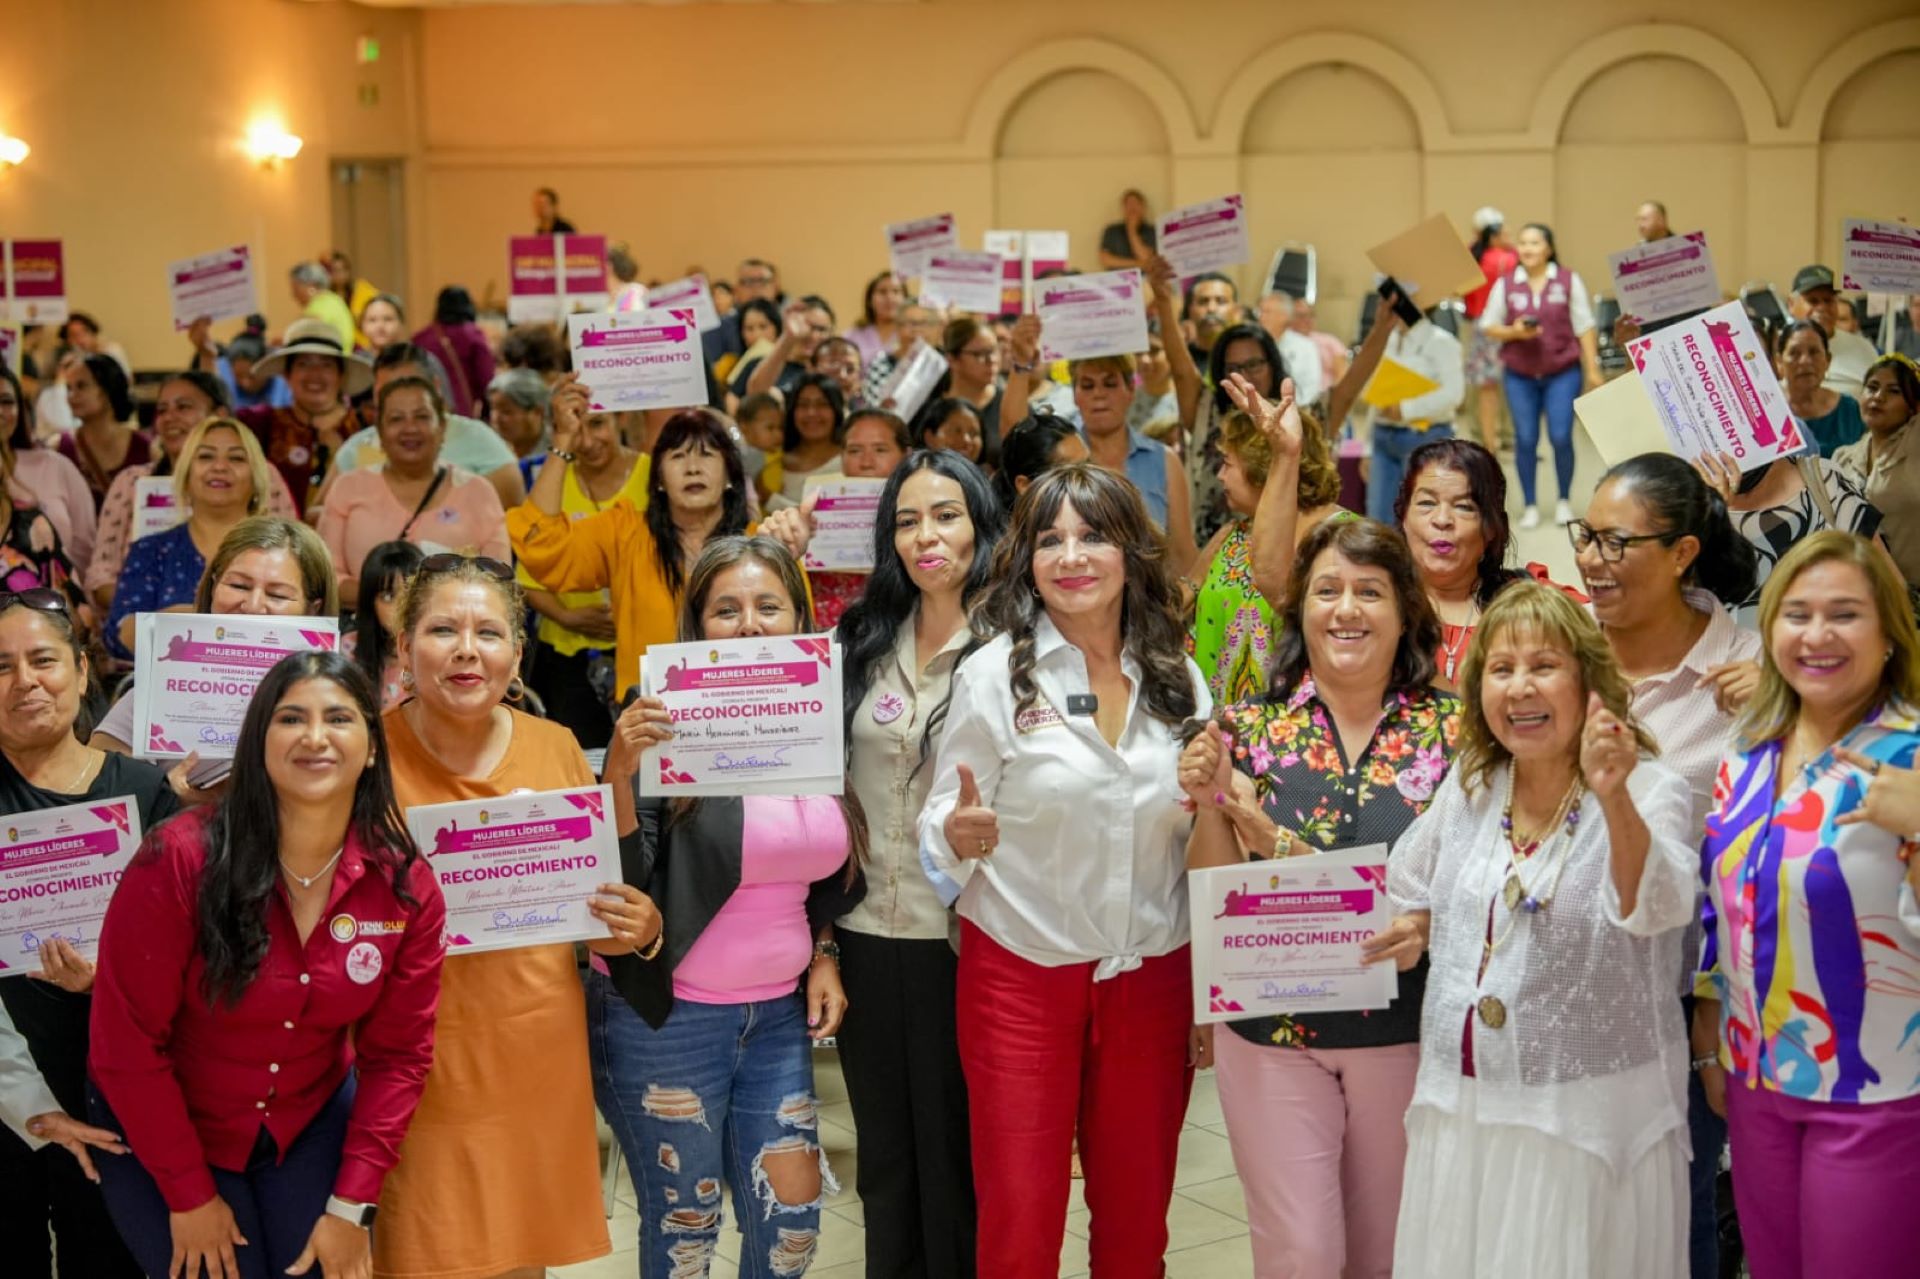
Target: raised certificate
point(58, 870)
point(1083, 317)
point(1284, 936)
point(910, 244)
point(1664, 278)
point(957, 277)
point(213, 286)
point(1205, 237)
point(196, 674)
point(1713, 386)
point(843, 516)
point(639, 359)
point(519, 870)
point(756, 716)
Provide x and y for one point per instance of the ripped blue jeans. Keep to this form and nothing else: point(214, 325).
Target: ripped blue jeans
point(702, 1102)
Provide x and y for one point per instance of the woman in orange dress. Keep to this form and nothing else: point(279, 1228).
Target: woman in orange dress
point(499, 1175)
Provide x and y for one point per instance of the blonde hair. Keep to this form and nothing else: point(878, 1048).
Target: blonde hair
point(318, 581)
point(1545, 611)
point(1121, 364)
point(256, 463)
point(1319, 483)
point(421, 586)
point(1771, 713)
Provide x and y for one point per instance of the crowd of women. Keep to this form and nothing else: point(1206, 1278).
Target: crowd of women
point(1649, 867)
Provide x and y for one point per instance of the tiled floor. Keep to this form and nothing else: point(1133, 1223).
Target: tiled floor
point(1207, 1222)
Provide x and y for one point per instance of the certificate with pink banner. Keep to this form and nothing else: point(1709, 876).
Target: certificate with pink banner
point(1284, 936)
point(549, 276)
point(58, 870)
point(639, 359)
point(1713, 386)
point(33, 281)
point(519, 869)
point(690, 294)
point(756, 716)
point(155, 510)
point(1880, 257)
point(910, 244)
point(1083, 317)
point(195, 675)
point(843, 514)
point(1665, 277)
point(959, 277)
point(213, 286)
point(1205, 237)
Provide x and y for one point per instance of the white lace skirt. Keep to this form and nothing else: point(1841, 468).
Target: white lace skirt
point(1499, 1201)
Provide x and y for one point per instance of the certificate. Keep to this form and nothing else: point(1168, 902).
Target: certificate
point(1083, 317)
point(1284, 936)
point(58, 870)
point(1205, 237)
point(639, 359)
point(690, 294)
point(912, 380)
point(843, 516)
point(962, 278)
point(154, 507)
point(196, 673)
point(910, 244)
point(519, 870)
point(1880, 257)
point(213, 286)
point(1025, 256)
point(1713, 386)
point(1666, 277)
point(757, 716)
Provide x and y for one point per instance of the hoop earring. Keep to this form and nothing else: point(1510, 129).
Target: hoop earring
point(516, 691)
point(406, 680)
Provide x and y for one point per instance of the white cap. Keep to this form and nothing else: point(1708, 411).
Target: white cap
point(1486, 217)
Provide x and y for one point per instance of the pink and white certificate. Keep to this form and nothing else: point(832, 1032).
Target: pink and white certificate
point(1713, 386)
point(639, 359)
point(1083, 317)
point(1880, 257)
point(213, 286)
point(959, 277)
point(843, 516)
point(754, 716)
point(195, 676)
point(519, 869)
point(1665, 277)
point(1284, 936)
point(910, 244)
point(690, 294)
point(58, 870)
point(1205, 237)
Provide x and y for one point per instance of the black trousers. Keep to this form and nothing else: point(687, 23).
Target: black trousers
point(569, 695)
point(901, 1056)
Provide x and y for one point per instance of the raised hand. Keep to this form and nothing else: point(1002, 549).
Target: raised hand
point(1280, 423)
point(972, 829)
point(1608, 751)
point(792, 526)
point(570, 407)
point(1024, 342)
point(1720, 472)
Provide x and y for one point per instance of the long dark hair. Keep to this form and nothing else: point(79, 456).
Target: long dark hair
point(1376, 546)
point(827, 386)
point(1679, 501)
point(1027, 453)
point(1217, 362)
point(1546, 233)
point(691, 426)
point(1152, 615)
point(454, 307)
point(112, 381)
point(385, 563)
point(22, 437)
point(1487, 486)
point(870, 627)
point(243, 834)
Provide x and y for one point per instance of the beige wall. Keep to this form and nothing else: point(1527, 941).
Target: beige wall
point(705, 131)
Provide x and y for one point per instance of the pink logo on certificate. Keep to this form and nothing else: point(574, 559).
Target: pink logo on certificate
point(363, 963)
point(888, 707)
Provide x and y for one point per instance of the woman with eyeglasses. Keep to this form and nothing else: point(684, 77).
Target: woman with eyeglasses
point(973, 364)
point(44, 679)
point(500, 1171)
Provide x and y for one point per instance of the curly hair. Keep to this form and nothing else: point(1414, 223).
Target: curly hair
point(1319, 483)
point(1542, 610)
point(1152, 615)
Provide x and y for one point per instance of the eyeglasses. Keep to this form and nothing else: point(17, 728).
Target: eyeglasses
point(448, 561)
point(1245, 367)
point(753, 280)
point(1613, 547)
point(41, 599)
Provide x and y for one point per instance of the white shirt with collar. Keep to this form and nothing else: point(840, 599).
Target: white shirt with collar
point(1302, 357)
point(1091, 861)
point(886, 771)
point(1434, 353)
point(23, 1090)
point(1579, 305)
point(1850, 355)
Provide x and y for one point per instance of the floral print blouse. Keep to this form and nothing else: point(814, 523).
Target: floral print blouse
point(1305, 783)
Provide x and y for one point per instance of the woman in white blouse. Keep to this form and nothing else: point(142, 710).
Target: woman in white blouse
point(934, 536)
point(1552, 877)
point(1056, 810)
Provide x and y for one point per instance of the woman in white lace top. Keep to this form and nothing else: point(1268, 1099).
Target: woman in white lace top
point(1552, 878)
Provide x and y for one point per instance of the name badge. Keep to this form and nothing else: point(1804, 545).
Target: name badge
point(1035, 718)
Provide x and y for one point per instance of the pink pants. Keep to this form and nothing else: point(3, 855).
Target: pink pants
point(1319, 1140)
point(1825, 1188)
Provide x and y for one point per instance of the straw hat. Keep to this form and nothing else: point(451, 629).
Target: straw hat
point(317, 337)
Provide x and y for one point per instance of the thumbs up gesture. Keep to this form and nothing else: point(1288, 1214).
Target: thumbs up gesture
point(971, 828)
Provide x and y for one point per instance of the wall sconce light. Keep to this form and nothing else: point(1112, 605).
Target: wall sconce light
point(12, 151)
point(270, 145)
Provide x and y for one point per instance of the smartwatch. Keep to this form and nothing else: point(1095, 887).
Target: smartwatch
point(360, 1215)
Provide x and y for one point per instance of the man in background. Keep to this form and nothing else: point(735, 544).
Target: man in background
point(313, 291)
point(546, 213)
point(1651, 221)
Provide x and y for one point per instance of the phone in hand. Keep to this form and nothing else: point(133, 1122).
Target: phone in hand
point(1529, 321)
point(1402, 304)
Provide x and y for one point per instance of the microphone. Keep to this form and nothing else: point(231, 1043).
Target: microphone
point(1082, 704)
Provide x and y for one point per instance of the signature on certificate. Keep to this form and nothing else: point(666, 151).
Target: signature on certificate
point(510, 920)
point(30, 942)
point(1299, 990)
point(772, 759)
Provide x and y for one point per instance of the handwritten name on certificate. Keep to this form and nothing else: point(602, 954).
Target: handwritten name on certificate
point(843, 516)
point(58, 870)
point(1083, 317)
point(519, 870)
point(639, 359)
point(1284, 936)
point(196, 674)
point(754, 716)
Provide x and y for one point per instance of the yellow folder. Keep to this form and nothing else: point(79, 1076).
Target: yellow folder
point(1393, 382)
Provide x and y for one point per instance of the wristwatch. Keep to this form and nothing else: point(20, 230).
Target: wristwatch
point(360, 1215)
point(829, 949)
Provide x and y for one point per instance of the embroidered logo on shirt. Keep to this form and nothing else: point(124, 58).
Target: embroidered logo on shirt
point(1035, 718)
point(344, 928)
point(888, 707)
point(363, 963)
point(381, 927)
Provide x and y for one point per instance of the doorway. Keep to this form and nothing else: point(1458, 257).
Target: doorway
point(370, 220)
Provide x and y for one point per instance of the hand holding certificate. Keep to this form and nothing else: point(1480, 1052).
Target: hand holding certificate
point(843, 513)
point(757, 716)
point(58, 870)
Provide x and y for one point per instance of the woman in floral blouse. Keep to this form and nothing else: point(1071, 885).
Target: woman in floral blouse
point(1344, 750)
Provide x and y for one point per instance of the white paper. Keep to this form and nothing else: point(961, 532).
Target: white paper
point(520, 869)
point(1665, 277)
point(1205, 237)
point(155, 510)
point(690, 294)
point(213, 286)
point(959, 277)
point(58, 869)
point(912, 380)
point(1083, 317)
point(639, 359)
point(195, 675)
point(910, 244)
point(1710, 380)
point(756, 716)
point(1284, 935)
point(1880, 257)
point(843, 516)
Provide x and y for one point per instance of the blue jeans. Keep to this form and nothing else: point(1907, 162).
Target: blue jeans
point(275, 1201)
point(702, 1101)
point(1708, 1133)
point(1527, 399)
point(1388, 467)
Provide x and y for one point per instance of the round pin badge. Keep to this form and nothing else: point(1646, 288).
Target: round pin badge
point(363, 963)
point(888, 707)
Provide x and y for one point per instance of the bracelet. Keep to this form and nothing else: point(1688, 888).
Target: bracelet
point(563, 455)
point(1702, 1063)
point(827, 950)
point(1018, 367)
point(653, 947)
point(1282, 841)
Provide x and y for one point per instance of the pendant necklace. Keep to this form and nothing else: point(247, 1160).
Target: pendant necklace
point(1452, 651)
point(308, 881)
